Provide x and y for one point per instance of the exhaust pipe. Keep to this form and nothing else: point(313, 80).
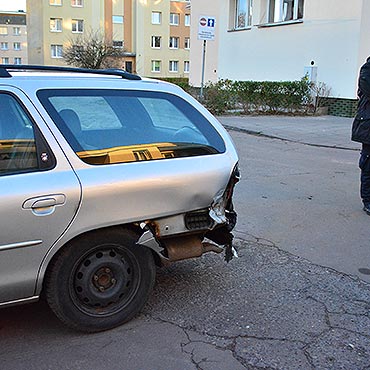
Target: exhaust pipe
point(188, 247)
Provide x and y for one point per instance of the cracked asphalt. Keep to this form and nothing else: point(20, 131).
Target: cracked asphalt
point(294, 299)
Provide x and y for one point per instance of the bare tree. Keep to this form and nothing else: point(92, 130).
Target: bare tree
point(91, 50)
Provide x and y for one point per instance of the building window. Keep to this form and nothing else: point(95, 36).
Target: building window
point(3, 30)
point(17, 60)
point(174, 43)
point(77, 25)
point(187, 19)
point(156, 65)
point(78, 3)
point(4, 46)
point(128, 66)
point(186, 66)
point(117, 44)
point(16, 45)
point(187, 43)
point(174, 19)
point(55, 24)
point(242, 11)
point(156, 17)
point(285, 10)
point(16, 31)
point(117, 19)
point(55, 2)
point(174, 65)
point(57, 51)
point(156, 42)
point(5, 60)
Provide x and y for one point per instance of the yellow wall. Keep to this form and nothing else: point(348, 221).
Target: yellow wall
point(136, 31)
point(40, 36)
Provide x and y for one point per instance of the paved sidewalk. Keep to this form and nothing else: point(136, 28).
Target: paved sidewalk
point(329, 131)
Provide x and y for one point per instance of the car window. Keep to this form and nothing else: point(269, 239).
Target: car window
point(17, 139)
point(115, 126)
point(94, 112)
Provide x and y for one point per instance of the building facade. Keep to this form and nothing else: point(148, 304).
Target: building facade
point(154, 35)
point(53, 24)
point(286, 39)
point(13, 38)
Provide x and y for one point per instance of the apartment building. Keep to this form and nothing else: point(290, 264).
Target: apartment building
point(13, 38)
point(284, 40)
point(154, 35)
point(162, 40)
point(52, 24)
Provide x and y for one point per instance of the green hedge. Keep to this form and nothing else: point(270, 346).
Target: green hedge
point(269, 97)
point(258, 97)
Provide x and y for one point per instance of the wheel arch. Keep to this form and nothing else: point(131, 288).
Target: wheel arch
point(57, 249)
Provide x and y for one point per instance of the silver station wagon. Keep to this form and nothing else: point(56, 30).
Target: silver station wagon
point(103, 177)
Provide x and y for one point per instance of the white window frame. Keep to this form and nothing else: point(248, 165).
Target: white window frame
point(278, 11)
point(57, 26)
point(153, 43)
point(77, 3)
point(187, 20)
point(17, 31)
point(156, 18)
point(17, 46)
point(186, 66)
point(78, 23)
point(242, 14)
point(156, 66)
point(173, 66)
point(174, 19)
point(3, 30)
point(56, 51)
point(5, 60)
point(4, 46)
point(17, 60)
point(174, 42)
point(55, 2)
point(187, 43)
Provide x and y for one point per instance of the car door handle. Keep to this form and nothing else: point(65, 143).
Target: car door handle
point(45, 201)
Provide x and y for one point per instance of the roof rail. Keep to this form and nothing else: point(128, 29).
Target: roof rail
point(4, 70)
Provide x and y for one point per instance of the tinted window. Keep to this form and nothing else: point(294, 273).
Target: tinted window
point(112, 126)
point(17, 139)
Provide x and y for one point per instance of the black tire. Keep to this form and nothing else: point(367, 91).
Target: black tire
point(100, 281)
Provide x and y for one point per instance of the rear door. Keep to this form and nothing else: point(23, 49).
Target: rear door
point(40, 194)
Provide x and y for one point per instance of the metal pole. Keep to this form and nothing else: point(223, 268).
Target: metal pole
point(203, 68)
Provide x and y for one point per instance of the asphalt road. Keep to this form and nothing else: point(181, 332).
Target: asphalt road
point(290, 301)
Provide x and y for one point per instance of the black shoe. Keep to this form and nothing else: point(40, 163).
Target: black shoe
point(367, 208)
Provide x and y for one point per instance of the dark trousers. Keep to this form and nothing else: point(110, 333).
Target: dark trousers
point(364, 165)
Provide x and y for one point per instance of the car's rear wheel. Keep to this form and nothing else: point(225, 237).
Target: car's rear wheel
point(100, 280)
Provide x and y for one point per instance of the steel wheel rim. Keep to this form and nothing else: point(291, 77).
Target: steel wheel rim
point(104, 280)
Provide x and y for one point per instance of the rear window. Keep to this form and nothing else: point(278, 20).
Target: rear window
point(115, 126)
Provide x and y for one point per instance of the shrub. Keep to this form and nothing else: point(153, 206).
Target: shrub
point(258, 96)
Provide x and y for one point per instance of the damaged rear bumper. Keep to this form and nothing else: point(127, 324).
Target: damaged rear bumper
point(194, 233)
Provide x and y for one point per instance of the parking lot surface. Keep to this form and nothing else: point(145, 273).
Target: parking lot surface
point(294, 299)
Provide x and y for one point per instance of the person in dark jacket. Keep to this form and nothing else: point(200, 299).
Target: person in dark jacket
point(361, 132)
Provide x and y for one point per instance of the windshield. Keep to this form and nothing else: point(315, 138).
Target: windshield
point(115, 126)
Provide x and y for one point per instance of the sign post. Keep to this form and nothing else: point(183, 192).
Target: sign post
point(206, 31)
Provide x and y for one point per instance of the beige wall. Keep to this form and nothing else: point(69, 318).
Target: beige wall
point(145, 54)
point(40, 37)
point(10, 54)
point(136, 31)
point(208, 8)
